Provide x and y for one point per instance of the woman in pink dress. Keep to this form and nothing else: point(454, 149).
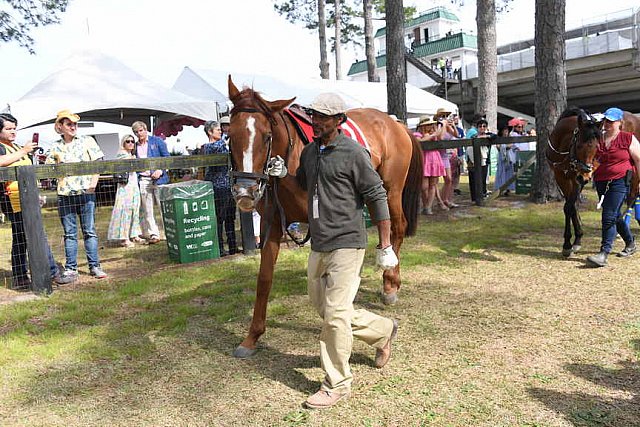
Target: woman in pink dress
point(433, 167)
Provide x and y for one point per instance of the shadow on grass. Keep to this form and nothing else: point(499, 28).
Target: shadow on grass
point(481, 230)
point(124, 334)
point(582, 409)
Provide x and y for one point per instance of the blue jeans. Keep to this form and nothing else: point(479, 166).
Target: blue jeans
point(84, 207)
point(612, 220)
point(19, 248)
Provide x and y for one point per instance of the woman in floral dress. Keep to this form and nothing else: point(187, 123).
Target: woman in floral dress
point(125, 218)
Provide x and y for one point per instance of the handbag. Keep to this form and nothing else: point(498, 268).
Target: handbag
point(121, 178)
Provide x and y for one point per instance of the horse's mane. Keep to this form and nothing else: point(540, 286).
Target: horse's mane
point(251, 99)
point(571, 111)
point(590, 129)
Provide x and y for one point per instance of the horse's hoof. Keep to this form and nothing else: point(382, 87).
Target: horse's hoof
point(567, 253)
point(243, 352)
point(389, 299)
point(576, 248)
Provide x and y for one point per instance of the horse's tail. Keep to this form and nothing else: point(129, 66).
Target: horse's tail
point(413, 186)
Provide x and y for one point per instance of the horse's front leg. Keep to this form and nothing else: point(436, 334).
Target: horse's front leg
point(569, 208)
point(391, 278)
point(268, 258)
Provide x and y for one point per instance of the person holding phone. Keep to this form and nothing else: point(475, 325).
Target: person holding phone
point(13, 155)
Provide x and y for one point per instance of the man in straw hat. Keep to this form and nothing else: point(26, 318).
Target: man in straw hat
point(339, 178)
point(76, 194)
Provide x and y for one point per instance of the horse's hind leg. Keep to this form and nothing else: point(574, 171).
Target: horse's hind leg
point(391, 278)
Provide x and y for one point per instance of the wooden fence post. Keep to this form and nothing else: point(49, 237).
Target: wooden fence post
point(34, 230)
point(246, 228)
point(477, 172)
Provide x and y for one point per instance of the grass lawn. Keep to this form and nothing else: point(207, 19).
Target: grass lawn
point(496, 329)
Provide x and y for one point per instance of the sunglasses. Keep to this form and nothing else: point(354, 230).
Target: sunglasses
point(129, 141)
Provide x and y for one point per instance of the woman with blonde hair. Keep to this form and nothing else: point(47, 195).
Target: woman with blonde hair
point(124, 226)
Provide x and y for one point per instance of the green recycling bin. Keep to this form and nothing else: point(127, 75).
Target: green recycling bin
point(189, 217)
point(525, 181)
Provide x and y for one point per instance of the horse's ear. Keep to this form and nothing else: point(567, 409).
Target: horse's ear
point(280, 104)
point(583, 118)
point(233, 90)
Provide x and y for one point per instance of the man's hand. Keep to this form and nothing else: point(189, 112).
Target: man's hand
point(386, 258)
point(28, 147)
point(156, 174)
point(276, 167)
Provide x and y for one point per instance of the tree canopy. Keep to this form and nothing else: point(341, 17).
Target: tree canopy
point(19, 17)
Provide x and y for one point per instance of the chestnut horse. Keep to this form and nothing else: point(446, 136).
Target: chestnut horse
point(260, 130)
point(570, 152)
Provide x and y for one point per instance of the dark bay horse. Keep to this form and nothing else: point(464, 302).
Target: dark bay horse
point(570, 151)
point(260, 130)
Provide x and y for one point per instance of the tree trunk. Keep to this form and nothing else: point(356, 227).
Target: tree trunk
point(369, 48)
point(322, 35)
point(338, 44)
point(551, 90)
point(396, 75)
point(487, 102)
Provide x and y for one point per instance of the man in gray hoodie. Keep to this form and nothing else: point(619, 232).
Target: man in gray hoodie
point(338, 176)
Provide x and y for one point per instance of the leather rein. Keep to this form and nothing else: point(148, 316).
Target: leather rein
point(267, 185)
point(574, 164)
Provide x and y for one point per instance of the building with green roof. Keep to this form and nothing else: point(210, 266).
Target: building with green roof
point(431, 35)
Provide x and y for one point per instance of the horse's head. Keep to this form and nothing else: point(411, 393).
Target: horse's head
point(584, 146)
point(253, 134)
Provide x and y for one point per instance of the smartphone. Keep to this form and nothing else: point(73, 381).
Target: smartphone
point(36, 138)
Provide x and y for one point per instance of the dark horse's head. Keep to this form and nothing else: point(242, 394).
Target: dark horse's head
point(254, 139)
point(574, 142)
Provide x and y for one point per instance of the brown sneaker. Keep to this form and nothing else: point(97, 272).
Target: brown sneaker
point(325, 399)
point(384, 354)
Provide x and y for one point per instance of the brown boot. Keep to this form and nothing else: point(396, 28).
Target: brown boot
point(325, 399)
point(384, 354)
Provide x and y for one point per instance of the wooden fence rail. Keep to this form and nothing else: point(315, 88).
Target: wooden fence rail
point(28, 177)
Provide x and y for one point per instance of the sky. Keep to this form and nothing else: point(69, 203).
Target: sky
point(157, 38)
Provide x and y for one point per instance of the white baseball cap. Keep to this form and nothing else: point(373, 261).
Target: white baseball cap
point(328, 103)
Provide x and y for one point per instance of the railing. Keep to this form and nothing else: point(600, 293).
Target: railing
point(28, 178)
point(477, 143)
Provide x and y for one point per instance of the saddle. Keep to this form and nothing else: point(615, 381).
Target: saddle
point(302, 123)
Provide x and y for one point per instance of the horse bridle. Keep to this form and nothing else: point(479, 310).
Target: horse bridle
point(263, 178)
point(575, 164)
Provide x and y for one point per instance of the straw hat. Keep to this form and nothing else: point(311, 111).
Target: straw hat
point(426, 120)
point(67, 114)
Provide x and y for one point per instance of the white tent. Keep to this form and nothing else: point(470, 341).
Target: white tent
point(213, 85)
point(101, 88)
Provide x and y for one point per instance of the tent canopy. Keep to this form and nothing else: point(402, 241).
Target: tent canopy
point(213, 85)
point(101, 88)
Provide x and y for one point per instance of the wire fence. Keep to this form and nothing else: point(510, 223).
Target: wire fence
point(52, 237)
point(59, 239)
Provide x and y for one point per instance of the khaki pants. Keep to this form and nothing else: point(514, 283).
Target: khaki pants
point(149, 198)
point(333, 279)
